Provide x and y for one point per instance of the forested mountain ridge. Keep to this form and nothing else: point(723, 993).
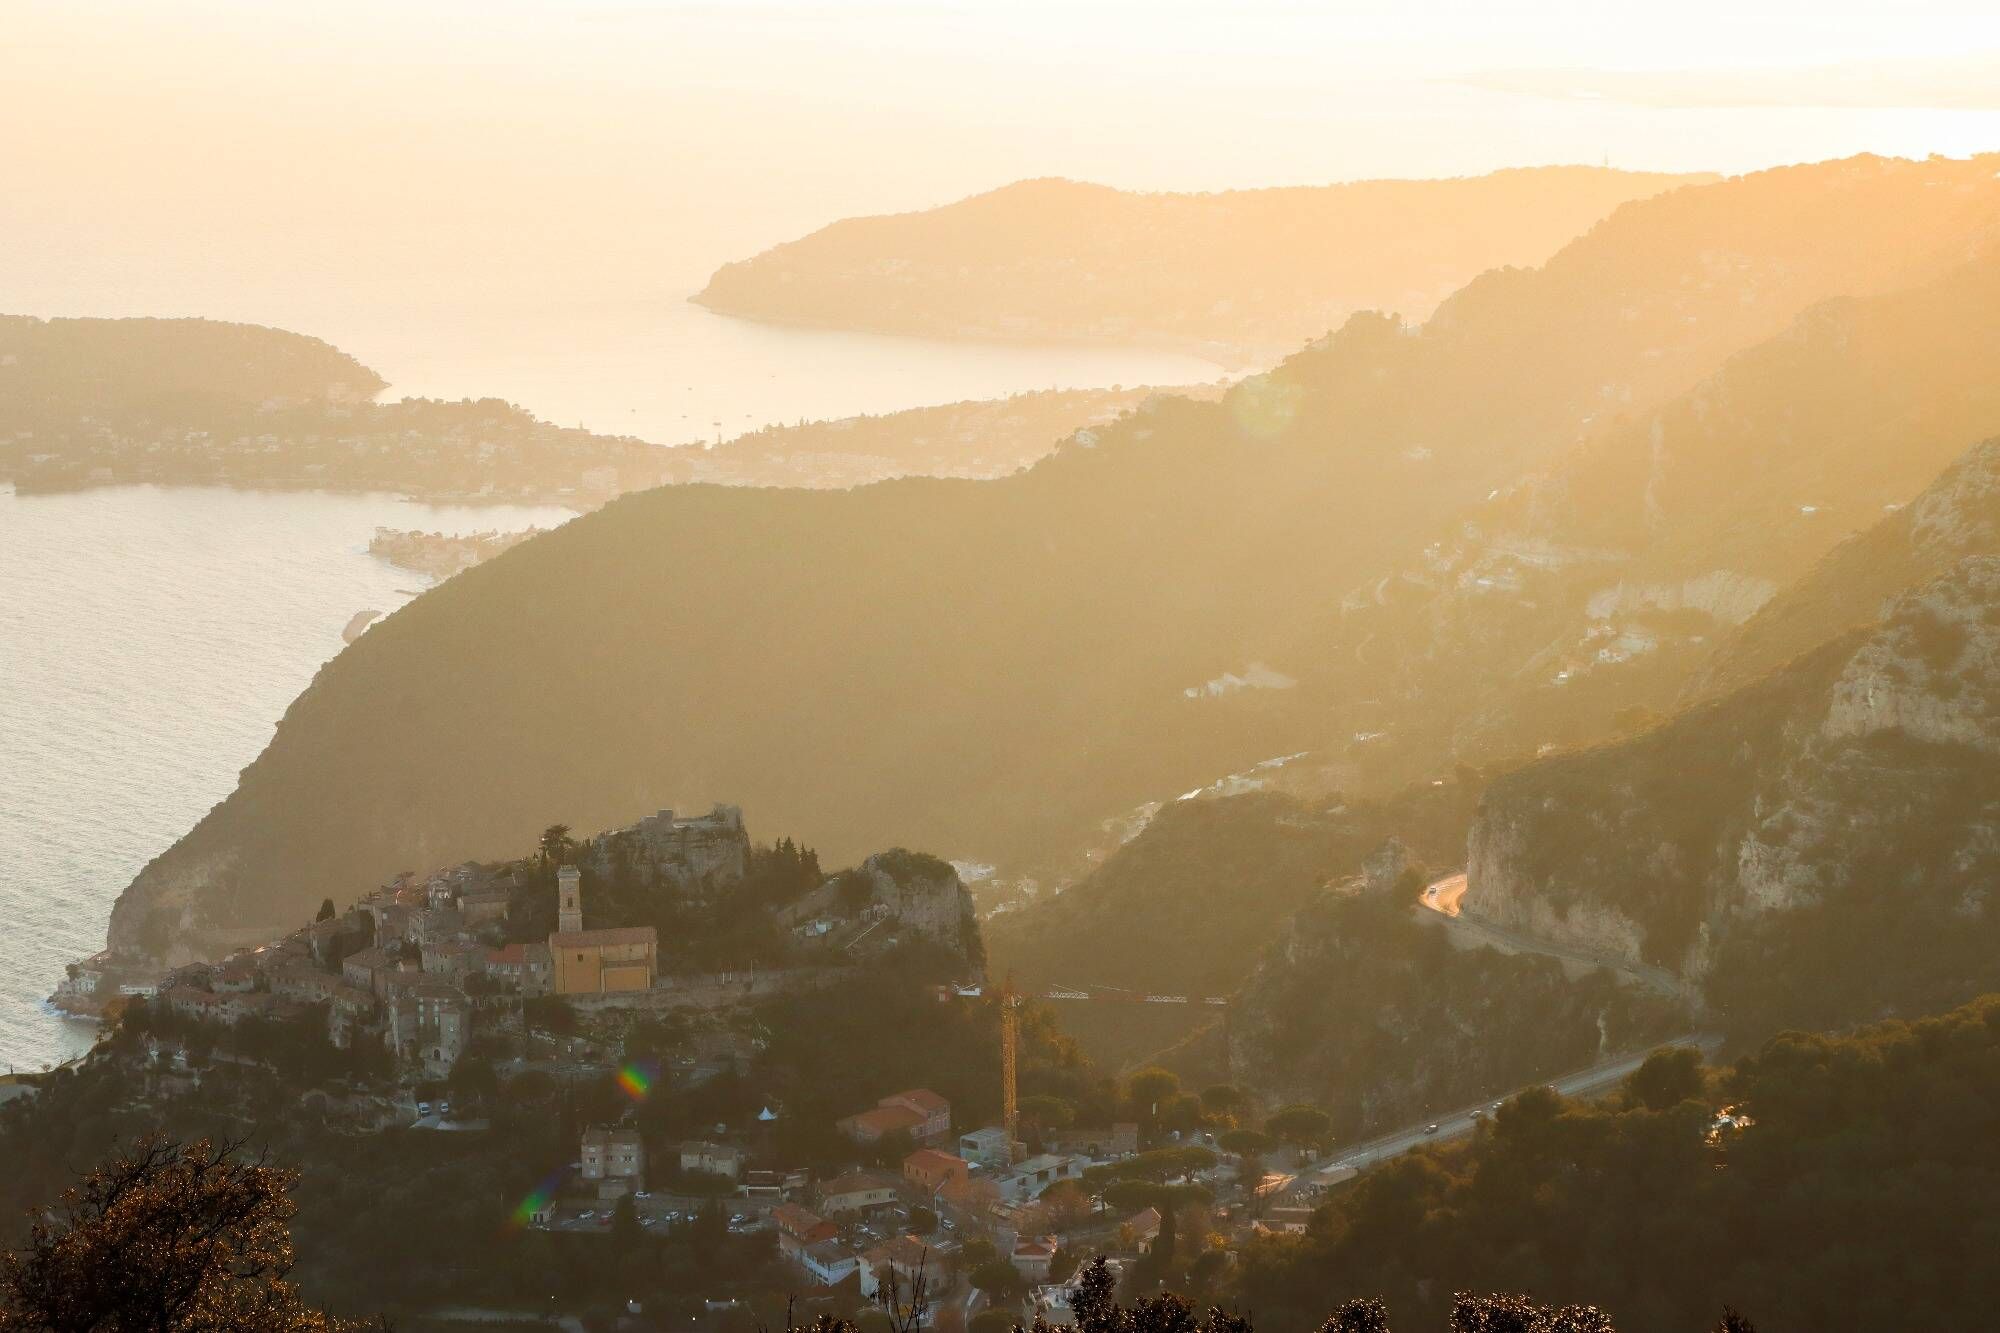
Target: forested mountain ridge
point(124, 367)
point(188, 402)
point(1956, 516)
point(1243, 275)
point(992, 668)
point(1586, 595)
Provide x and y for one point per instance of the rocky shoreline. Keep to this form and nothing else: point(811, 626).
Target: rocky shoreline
point(439, 555)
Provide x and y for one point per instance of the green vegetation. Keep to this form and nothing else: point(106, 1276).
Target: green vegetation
point(1370, 1013)
point(1858, 1195)
point(1059, 259)
point(1084, 597)
point(1190, 904)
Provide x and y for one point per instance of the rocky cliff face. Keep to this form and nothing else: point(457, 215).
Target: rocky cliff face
point(1957, 516)
point(1369, 1010)
point(1858, 784)
point(921, 898)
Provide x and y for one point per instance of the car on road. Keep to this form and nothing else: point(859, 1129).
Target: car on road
point(1430, 1129)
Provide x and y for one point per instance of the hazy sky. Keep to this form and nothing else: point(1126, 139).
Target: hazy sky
point(265, 160)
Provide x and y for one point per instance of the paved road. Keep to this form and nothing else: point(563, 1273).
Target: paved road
point(1446, 897)
point(1460, 1120)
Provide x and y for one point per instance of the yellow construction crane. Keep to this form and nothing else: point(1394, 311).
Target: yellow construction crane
point(1010, 1114)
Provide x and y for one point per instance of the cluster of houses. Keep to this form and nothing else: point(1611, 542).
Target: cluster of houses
point(410, 964)
point(406, 967)
point(845, 1229)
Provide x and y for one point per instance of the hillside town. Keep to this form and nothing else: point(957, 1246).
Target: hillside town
point(433, 992)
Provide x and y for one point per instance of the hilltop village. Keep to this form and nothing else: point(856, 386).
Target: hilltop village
point(440, 1005)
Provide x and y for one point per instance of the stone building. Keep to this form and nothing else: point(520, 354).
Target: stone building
point(614, 1159)
point(695, 855)
point(597, 962)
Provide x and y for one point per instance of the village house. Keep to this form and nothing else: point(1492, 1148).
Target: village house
point(904, 1257)
point(322, 937)
point(799, 1228)
point(525, 967)
point(483, 907)
point(1032, 1257)
point(234, 976)
point(614, 1159)
point(857, 1192)
point(435, 925)
point(348, 1009)
point(1028, 1179)
point(198, 1005)
point(1141, 1229)
point(937, 1172)
point(299, 979)
point(987, 1147)
point(713, 1158)
point(919, 1112)
point(235, 1009)
point(830, 1263)
point(453, 959)
point(362, 967)
point(391, 918)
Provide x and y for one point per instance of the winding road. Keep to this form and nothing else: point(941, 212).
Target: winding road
point(1460, 1120)
point(1445, 898)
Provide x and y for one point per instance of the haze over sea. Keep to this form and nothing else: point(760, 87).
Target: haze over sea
point(476, 202)
point(151, 637)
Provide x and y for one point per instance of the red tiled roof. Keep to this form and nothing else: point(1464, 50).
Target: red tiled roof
point(931, 1159)
point(885, 1120)
point(923, 1099)
point(855, 1181)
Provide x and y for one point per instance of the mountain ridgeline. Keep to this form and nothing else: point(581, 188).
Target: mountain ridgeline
point(991, 669)
point(1240, 275)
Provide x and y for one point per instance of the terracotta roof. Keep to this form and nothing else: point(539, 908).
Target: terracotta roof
point(923, 1099)
point(796, 1221)
point(932, 1159)
point(882, 1120)
point(905, 1250)
point(855, 1181)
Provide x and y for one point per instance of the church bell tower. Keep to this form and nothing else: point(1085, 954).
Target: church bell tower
point(569, 900)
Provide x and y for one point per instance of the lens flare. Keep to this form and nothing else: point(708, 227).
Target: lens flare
point(637, 1077)
point(537, 1199)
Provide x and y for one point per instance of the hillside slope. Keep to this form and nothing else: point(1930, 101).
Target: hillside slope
point(1956, 516)
point(990, 669)
point(1242, 275)
point(1580, 599)
point(1818, 847)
